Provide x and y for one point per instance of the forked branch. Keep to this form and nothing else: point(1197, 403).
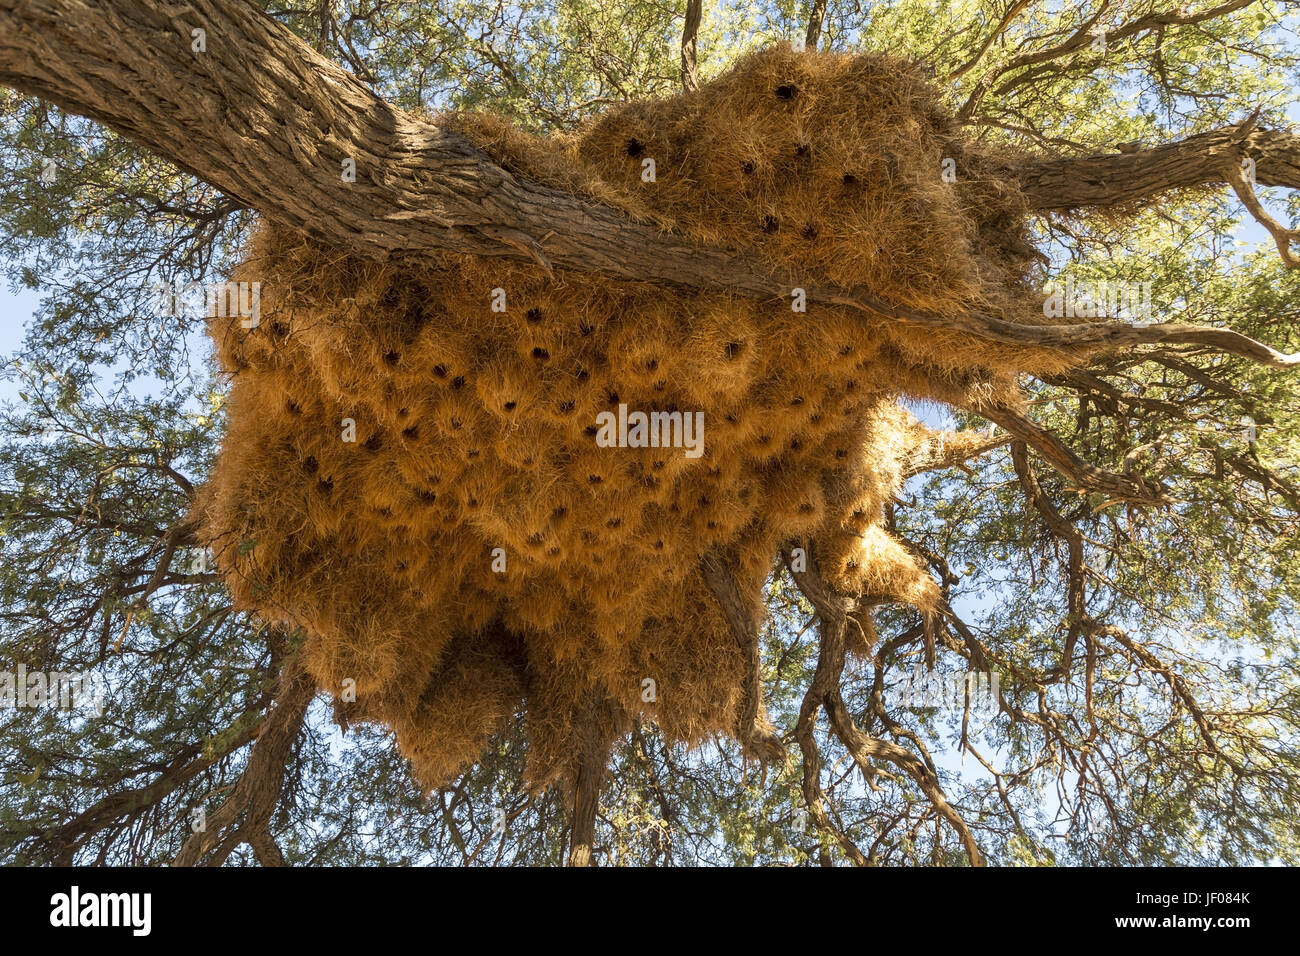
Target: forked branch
point(833, 612)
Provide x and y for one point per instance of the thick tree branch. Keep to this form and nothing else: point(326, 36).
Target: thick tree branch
point(1284, 237)
point(816, 20)
point(258, 790)
point(590, 765)
point(1096, 335)
point(690, 34)
point(946, 449)
point(264, 118)
point(270, 122)
point(1117, 179)
point(1088, 477)
point(833, 611)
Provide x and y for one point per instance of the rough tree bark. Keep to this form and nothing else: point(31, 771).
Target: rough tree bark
point(586, 801)
point(1117, 179)
point(816, 19)
point(587, 777)
point(263, 117)
point(690, 38)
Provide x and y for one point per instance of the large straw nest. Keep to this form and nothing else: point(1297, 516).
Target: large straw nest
point(476, 430)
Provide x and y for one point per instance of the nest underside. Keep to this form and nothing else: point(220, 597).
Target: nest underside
point(476, 550)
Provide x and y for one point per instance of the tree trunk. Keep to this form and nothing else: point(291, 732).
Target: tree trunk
point(690, 39)
point(816, 20)
point(586, 801)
